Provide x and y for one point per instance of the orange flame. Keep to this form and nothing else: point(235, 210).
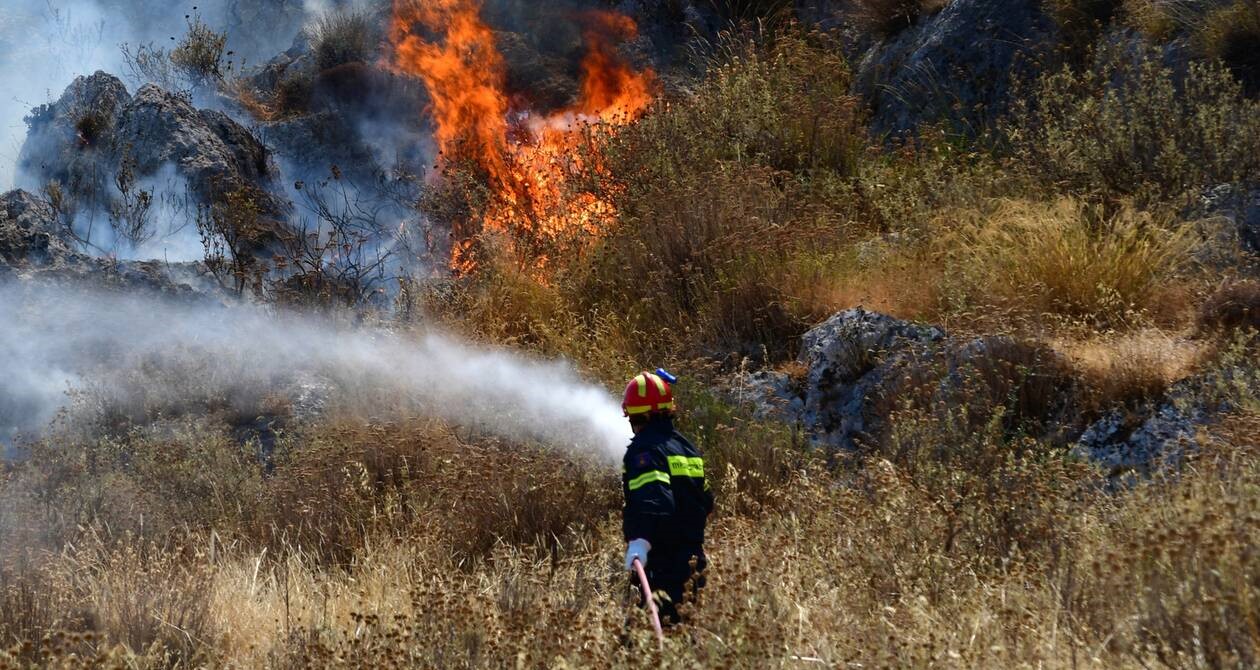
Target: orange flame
point(464, 76)
point(529, 171)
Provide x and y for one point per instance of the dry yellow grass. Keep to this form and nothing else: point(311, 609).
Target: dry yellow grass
point(853, 573)
point(1121, 368)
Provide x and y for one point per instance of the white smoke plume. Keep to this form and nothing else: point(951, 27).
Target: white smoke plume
point(54, 340)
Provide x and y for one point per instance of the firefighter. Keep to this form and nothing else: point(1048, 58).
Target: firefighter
point(667, 499)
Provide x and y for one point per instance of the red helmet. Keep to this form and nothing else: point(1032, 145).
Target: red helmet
point(647, 393)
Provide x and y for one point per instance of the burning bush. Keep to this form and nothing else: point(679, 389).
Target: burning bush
point(531, 162)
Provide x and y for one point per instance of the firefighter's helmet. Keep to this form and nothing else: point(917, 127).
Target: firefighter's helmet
point(648, 393)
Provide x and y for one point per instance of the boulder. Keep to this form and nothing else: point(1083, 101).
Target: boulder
point(955, 66)
point(29, 236)
point(36, 250)
point(847, 361)
point(1161, 439)
point(849, 358)
point(69, 140)
point(212, 152)
point(96, 130)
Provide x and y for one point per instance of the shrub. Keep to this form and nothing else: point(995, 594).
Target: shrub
point(1228, 30)
point(1232, 34)
point(700, 273)
point(887, 17)
point(1235, 305)
point(1081, 21)
point(1161, 19)
point(1126, 127)
point(714, 196)
point(199, 56)
point(343, 36)
point(782, 104)
point(1008, 387)
point(1065, 258)
point(995, 496)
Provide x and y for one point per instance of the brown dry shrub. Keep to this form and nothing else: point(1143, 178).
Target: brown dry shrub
point(353, 481)
point(700, 272)
point(1234, 305)
point(750, 466)
point(343, 36)
point(888, 17)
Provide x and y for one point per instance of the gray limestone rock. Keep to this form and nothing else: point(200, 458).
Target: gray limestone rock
point(955, 65)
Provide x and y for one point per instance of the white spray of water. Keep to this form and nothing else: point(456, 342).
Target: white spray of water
point(51, 340)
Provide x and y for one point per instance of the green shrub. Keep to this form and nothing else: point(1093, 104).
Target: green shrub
point(1126, 127)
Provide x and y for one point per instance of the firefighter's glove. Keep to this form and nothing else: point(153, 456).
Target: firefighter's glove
point(637, 549)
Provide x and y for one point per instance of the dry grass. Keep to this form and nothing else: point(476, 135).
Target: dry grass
point(879, 564)
point(1126, 369)
point(1064, 258)
point(963, 538)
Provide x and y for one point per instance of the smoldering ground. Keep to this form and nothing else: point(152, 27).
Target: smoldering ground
point(145, 357)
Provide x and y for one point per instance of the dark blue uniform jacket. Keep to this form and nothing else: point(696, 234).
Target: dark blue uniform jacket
point(667, 497)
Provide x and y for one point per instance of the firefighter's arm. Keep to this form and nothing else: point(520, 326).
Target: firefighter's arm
point(649, 496)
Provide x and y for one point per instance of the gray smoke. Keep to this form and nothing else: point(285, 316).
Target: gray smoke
point(54, 341)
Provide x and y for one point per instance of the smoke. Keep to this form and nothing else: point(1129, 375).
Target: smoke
point(129, 350)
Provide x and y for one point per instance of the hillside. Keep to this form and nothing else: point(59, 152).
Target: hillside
point(316, 316)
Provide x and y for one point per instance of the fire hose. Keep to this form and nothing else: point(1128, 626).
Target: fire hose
point(651, 603)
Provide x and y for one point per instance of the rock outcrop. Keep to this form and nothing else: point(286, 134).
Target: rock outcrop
point(846, 361)
point(36, 250)
point(858, 367)
point(954, 66)
point(97, 131)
